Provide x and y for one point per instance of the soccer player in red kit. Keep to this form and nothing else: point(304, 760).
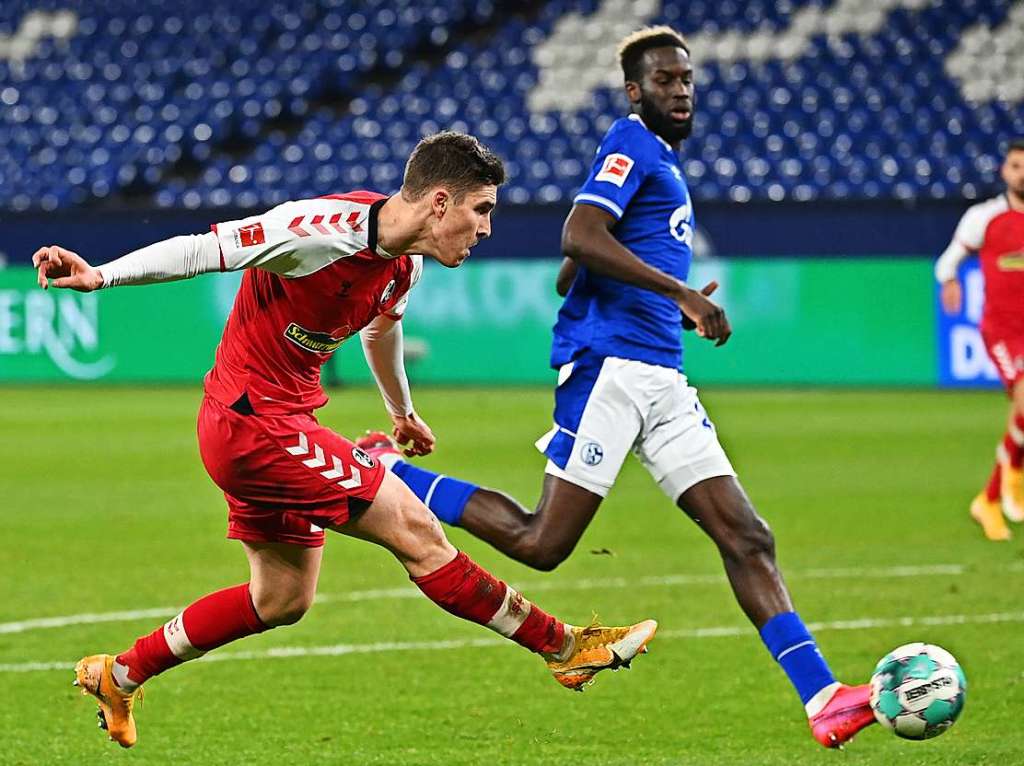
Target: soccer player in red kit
point(317, 272)
point(995, 231)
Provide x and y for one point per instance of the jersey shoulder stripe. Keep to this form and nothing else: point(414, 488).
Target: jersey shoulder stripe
point(299, 238)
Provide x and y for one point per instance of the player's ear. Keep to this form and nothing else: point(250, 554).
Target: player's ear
point(633, 92)
point(440, 200)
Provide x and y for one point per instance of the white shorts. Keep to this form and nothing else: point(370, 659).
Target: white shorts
point(605, 407)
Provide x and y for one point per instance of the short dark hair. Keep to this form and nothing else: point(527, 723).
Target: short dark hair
point(1016, 145)
point(636, 44)
point(456, 161)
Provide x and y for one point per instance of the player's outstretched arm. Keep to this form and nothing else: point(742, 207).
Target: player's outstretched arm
point(383, 347)
point(587, 239)
point(166, 261)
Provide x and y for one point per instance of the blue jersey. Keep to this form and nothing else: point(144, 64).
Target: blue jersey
point(638, 179)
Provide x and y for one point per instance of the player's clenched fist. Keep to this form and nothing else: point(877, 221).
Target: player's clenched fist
point(66, 269)
point(707, 315)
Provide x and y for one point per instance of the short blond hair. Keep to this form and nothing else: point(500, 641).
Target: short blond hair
point(633, 46)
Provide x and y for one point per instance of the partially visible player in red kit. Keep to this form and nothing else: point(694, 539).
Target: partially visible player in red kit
point(995, 231)
point(317, 272)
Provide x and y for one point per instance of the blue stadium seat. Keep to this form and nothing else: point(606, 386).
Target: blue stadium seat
point(189, 103)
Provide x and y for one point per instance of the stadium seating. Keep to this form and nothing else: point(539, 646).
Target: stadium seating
point(246, 104)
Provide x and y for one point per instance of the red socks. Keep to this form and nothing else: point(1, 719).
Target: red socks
point(1012, 447)
point(212, 621)
point(459, 587)
point(1010, 450)
point(464, 589)
point(993, 489)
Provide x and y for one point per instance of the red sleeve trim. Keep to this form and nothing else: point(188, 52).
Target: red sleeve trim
point(394, 317)
point(223, 265)
point(361, 197)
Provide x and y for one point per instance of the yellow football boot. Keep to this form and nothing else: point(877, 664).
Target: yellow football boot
point(989, 514)
point(596, 648)
point(94, 675)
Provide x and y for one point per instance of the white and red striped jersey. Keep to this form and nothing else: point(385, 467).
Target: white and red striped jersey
point(314, 277)
point(995, 231)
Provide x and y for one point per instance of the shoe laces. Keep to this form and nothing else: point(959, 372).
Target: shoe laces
point(596, 635)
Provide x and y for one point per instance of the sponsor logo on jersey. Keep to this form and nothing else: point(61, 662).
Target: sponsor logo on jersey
point(1011, 261)
point(615, 169)
point(388, 292)
point(679, 224)
point(317, 342)
point(250, 235)
point(591, 453)
point(362, 458)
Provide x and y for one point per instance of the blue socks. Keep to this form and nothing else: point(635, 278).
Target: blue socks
point(793, 647)
point(445, 496)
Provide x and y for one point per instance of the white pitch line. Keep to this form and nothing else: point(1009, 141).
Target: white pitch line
point(722, 631)
point(85, 619)
point(386, 594)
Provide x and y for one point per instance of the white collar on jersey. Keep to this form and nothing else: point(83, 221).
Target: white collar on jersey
point(638, 118)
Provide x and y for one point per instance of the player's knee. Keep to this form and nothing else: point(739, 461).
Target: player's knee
point(283, 609)
point(541, 553)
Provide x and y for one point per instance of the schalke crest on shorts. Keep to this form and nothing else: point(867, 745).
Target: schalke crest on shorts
point(591, 453)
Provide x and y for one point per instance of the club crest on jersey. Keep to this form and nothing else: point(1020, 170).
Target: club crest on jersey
point(250, 235)
point(361, 457)
point(317, 342)
point(591, 453)
point(615, 169)
point(389, 290)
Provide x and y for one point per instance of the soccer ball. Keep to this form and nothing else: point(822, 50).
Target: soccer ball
point(917, 691)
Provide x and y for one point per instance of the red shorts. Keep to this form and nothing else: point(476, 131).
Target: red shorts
point(285, 477)
point(1007, 351)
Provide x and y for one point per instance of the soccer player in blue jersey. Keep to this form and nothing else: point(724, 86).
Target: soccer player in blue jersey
point(618, 351)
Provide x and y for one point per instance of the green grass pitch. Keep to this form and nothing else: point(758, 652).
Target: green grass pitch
point(105, 508)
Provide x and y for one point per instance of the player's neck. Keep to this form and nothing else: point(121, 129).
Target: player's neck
point(1016, 201)
point(674, 146)
point(400, 226)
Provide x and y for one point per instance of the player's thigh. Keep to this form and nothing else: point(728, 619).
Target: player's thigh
point(564, 511)
point(1006, 349)
point(679, 444)
point(285, 477)
point(400, 522)
point(597, 419)
point(283, 576)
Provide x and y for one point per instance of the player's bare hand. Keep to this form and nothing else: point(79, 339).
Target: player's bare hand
point(410, 430)
point(703, 312)
point(952, 296)
point(66, 269)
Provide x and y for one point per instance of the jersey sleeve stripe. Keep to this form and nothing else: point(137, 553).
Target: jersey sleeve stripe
point(223, 265)
point(598, 201)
